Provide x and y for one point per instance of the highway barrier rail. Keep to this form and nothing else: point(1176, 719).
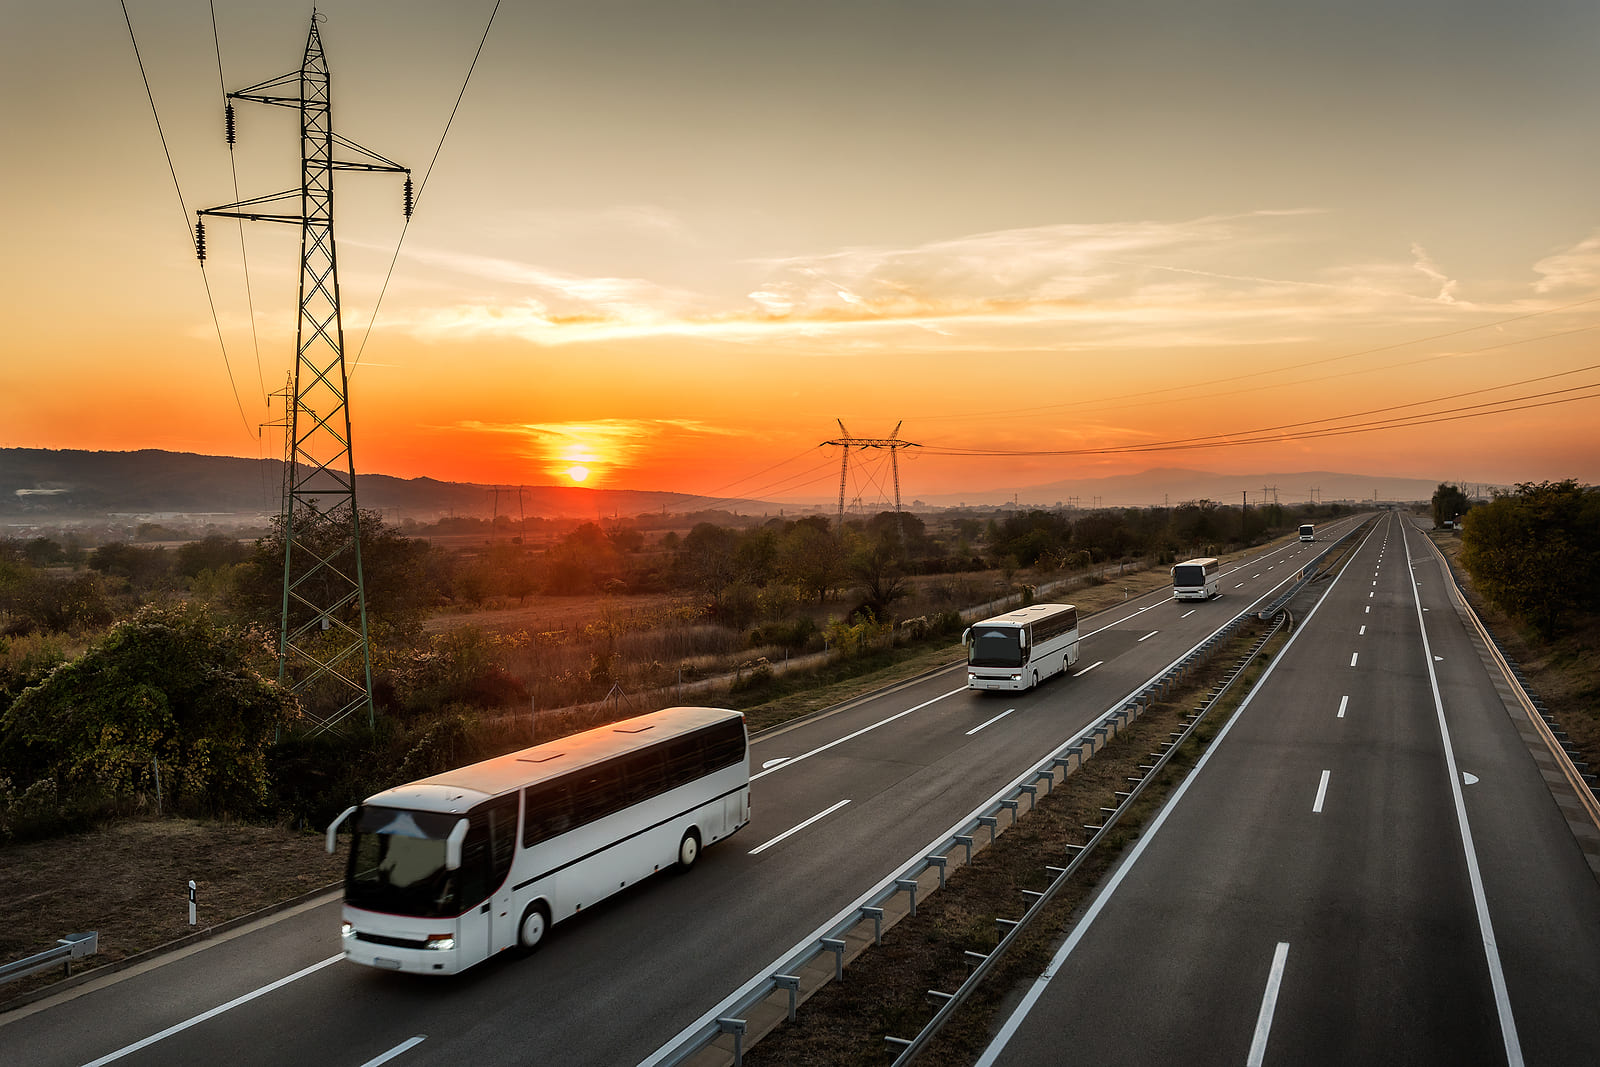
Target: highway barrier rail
point(774, 995)
point(69, 948)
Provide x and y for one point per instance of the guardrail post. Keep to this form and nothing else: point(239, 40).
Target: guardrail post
point(876, 915)
point(965, 840)
point(791, 982)
point(910, 886)
point(993, 823)
point(835, 946)
point(939, 862)
point(736, 1028)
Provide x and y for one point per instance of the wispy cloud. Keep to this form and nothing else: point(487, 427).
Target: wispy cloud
point(1168, 283)
point(1572, 269)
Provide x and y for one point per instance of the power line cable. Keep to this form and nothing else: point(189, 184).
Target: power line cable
point(423, 185)
point(250, 299)
point(184, 210)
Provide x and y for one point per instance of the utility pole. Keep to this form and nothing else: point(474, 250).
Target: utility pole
point(323, 651)
point(892, 443)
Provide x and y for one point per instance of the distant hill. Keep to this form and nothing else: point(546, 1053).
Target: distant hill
point(1174, 485)
point(54, 485)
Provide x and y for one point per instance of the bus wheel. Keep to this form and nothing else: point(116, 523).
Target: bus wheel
point(1036, 679)
point(688, 850)
point(535, 921)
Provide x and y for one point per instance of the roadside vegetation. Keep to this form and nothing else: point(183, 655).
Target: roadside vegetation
point(1530, 562)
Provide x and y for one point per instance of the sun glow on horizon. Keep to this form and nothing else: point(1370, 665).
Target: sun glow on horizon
point(577, 473)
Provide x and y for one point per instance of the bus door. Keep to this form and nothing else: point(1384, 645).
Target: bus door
point(487, 920)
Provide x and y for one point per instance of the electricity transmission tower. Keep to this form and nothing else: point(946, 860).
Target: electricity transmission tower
point(323, 652)
point(846, 442)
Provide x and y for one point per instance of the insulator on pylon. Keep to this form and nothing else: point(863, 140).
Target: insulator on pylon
point(409, 201)
point(200, 239)
point(228, 122)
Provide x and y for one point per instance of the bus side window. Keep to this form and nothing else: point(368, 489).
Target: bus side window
point(548, 808)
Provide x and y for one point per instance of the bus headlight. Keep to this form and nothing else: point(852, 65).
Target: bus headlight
point(347, 931)
point(442, 942)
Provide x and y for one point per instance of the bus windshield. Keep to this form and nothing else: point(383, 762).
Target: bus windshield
point(397, 863)
point(1188, 574)
point(995, 647)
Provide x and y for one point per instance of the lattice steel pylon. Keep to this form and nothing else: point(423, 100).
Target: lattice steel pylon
point(892, 443)
point(323, 651)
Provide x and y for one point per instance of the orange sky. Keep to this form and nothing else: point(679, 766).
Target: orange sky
point(672, 245)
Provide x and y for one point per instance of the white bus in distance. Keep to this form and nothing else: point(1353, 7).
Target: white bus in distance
point(1196, 579)
point(1308, 531)
point(1021, 648)
point(449, 870)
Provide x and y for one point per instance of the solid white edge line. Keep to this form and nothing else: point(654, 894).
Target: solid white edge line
point(1018, 1014)
point(1491, 950)
point(213, 1013)
point(1269, 1004)
point(760, 976)
point(404, 1046)
point(851, 737)
point(991, 722)
point(1322, 793)
point(824, 813)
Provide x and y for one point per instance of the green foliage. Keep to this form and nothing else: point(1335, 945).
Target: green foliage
point(1535, 554)
point(38, 601)
point(167, 685)
point(1448, 503)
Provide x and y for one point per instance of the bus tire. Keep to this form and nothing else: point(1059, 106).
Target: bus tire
point(534, 925)
point(1036, 679)
point(688, 850)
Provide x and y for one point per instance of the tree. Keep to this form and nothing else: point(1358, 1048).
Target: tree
point(1535, 554)
point(170, 685)
point(811, 558)
point(1448, 503)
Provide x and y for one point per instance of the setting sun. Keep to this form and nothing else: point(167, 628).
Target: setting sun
point(577, 474)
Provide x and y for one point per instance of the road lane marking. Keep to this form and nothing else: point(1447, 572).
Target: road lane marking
point(1322, 792)
point(1239, 586)
point(774, 762)
point(1363, 632)
point(1369, 595)
point(404, 1046)
point(1148, 636)
point(824, 813)
point(1367, 610)
point(1089, 668)
point(177, 1028)
point(1353, 656)
point(991, 722)
point(1186, 614)
point(1344, 702)
point(851, 737)
point(1491, 950)
point(1468, 778)
point(1269, 1003)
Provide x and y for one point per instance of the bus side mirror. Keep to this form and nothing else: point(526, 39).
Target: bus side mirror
point(452, 846)
point(966, 637)
point(333, 827)
point(1022, 638)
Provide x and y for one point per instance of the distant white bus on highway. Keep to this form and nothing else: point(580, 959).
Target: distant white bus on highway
point(450, 870)
point(1196, 579)
point(1021, 648)
point(1308, 532)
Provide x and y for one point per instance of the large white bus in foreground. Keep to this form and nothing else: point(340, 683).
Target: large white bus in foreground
point(1019, 649)
point(449, 870)
point(1196, 579)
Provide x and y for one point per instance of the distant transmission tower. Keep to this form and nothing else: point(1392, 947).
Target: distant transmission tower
point(323, 652)
point(892, 443)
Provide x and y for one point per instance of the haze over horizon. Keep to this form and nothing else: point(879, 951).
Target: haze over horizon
point(665, 247)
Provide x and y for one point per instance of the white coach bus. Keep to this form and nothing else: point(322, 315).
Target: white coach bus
point(449, 870)
point(1308, 531)
point(1019, 649)
point(1196, 579)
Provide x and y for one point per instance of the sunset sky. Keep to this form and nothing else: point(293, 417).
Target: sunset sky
point(670, 243)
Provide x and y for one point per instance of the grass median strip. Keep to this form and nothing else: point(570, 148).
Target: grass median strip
point(886, 991)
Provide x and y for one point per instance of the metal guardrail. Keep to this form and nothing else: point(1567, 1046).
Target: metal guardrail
point(1307, 573)
point(1567, 757)
point(833, 939)
point(1060, 876)
point(69, 948)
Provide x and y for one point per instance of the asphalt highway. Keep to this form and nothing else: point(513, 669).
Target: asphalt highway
point(1367, 868)
point(839, 801)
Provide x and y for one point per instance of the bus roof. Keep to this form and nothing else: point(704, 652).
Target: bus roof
point(458, 790)
point(1023, 616)
point(1199, 561)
